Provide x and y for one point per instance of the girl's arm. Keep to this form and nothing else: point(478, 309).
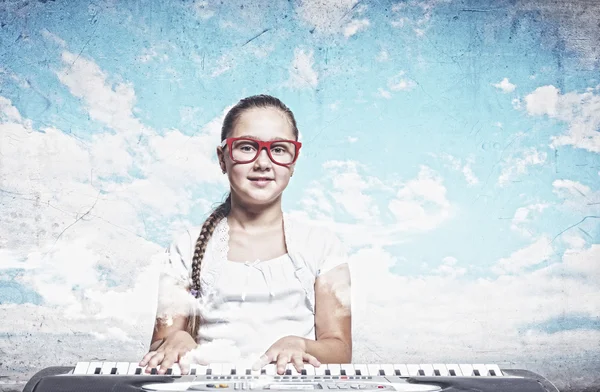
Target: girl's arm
point(333, 318)
point(162, 329)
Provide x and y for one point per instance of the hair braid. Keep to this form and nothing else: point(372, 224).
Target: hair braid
point(207, 230)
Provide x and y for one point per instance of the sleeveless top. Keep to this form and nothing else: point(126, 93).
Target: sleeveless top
point(247, 306)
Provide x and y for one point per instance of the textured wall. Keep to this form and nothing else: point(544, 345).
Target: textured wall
point(453, 145)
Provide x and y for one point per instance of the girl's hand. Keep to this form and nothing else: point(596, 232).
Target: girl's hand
point(285, 350)
point(170, 351)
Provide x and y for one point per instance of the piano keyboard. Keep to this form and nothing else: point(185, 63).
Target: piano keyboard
point(338, 370)
point(229, 377)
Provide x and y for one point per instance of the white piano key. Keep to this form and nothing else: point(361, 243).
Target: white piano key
point(133, 366)
point(227, 369)
point(93, 366)
point(427, 369)
point(413, 369)
point(320, 370)
point(200, 369)
point(388, 369)
point(495, 369)
point(454, 367)
point(466, 369)
point(441, 368)
point(175, 370)
point(334, 369)
point(122, 367)
point(480, 368)
point(310, 369)
point(373, 369)
point(347, 368)
point(216, 369)
point(362, 368)
point(292, 370)
point(402, 368)
point(107, 367)
point(271, 369)
point(81, 368)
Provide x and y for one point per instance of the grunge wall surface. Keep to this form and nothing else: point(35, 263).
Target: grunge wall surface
point(453, 145)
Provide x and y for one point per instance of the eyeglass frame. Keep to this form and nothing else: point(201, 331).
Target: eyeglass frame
point(261, 146)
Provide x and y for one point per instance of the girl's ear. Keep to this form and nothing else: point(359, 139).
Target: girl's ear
point(221, 158)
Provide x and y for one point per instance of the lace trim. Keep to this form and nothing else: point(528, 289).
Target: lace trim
point(216, 256)
point(216, 253)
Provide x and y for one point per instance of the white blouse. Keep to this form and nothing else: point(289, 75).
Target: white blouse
point(246, 307)
point(256, 303)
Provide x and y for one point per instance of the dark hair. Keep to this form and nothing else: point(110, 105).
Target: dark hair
point(255, 101)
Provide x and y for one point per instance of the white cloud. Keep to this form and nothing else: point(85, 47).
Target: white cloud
point(203, 9)
point(416, 206)
point(580, 111)
point(53, 38)
point(457, 164)
point(421, 204)
point(532, 255)
point(414, 14)
point(505, 86)
point(333, 17)
point(354, 26)
point(522, 217)
point(383, 55)
point(224, 64)
point(514, 167)
point(105, 103)
point(452, 318)
point(384, 93)
point(302, 72)
point(349, 189)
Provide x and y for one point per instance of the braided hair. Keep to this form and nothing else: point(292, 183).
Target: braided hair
point(256, 101)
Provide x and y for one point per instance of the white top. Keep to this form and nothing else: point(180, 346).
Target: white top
point(255, 304)
point(246, 307)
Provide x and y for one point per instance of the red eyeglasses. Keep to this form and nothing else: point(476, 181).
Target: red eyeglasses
point(246, 150)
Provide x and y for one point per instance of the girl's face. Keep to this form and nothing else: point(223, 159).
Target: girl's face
point(260, 181)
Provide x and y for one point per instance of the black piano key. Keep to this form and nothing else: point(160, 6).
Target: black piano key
point(492, 372)
point(98, 370)
point(193, 372)
point(169, 371)
point(358, 373)
point(343, 372)
point(381, 372)
point(397, 372)
point(113, 371)
point(288, 372)
point(303, 372)
point(421, 372)
point(437, 372)
point(476, 372)
point(452, 372)
point(263, 371)
point(208, 372)
point(233, 371)
point(327, 372)
point(248, 372)
point(154, 371)
point(138, 371)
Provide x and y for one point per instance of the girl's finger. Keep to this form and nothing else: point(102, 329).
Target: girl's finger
point(282, 360)
point(297, 360)
point(311, 359)
point(154, 361)
point(146, 358)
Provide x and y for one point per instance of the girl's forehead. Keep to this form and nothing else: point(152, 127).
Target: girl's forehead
point(264, 124)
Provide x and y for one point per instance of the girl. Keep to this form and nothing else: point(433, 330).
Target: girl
point(251, 274)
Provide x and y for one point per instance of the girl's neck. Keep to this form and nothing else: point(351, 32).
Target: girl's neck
point(254, 220)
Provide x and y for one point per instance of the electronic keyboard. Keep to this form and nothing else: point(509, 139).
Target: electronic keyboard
point(222, 377)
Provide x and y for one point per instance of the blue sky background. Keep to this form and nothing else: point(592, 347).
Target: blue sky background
point(453, 145)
